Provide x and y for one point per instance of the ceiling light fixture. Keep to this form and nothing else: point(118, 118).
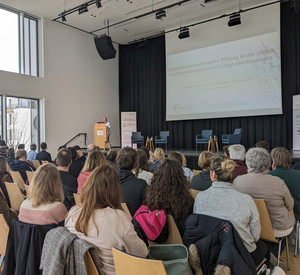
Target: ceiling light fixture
point(160, 14)
point(63, 17)
point(83, 8)
point(98, 4)
point(184, 33)
point(234, 19)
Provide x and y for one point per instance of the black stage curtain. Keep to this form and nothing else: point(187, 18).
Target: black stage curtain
point(142, 88)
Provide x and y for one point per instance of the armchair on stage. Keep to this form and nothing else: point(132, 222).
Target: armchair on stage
point(101, 135)
point(234, 138)
point(162, 138)
point(137, 138)
point(204, 137)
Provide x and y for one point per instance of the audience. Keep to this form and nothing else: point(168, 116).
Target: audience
point(4, 177)
point(3, 150)
point(187, 171)
point(202, 181)
point(169, 191)
point(226, 151)
point(261, 185)
point(78, 160)
point(100, 220)
point(31, 155)
point(21, 165)
point(155, 158)
point(237, 154)
point(281, 167)
point(224, 202)
point(44, 205)
point(10, 156)
point(263, 144)
point(21, 146)
point(44, 155)
point(133, 189)
point(111, 158)
point(68, 181)
point(95, 159)
point(178, 156)
point(142, 168)
point(92, 147)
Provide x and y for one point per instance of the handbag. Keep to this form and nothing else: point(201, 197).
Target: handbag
point(174, 257)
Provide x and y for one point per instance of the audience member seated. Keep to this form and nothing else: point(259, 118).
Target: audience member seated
point(133, 189)
point(2, 142)
point(4, 177)
point(3, 150)
point(10, 156)
point(187, 171)
point(142, 168)
point(92, 147)
point(68, 181)
point(31, 155)
point(94, 160)
point(224, 202)
point(44, 205)
point(20, 164)
point(178, 156)
point(225, 151)
point(282, 168)
point(155, 158)
point(44, 155)
point(237, 154)
point(7, 212)
point(169, 191)
point(111, 158)
point(101, 221)
point(78, 160)
point(261, 185)
point(202, 181)
point(21, 146)
point(263, 144)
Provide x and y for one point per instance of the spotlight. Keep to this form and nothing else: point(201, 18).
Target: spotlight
point(234, 19)
point(63, 18)
point(98, 4)
point(83, 8)
point(161, 14)
point(184, 33)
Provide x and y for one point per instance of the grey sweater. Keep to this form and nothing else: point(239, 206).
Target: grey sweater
point(224, 202)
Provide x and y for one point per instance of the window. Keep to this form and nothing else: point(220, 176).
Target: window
point(22, 121)
point(19, 42)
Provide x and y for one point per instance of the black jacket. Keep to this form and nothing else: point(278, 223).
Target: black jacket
point(22, 167)
point(76, 166)
point(133, 190)
point(201, 181)
point(218, 243)
point(43, 155)
point(69, 185)
point(24, 248)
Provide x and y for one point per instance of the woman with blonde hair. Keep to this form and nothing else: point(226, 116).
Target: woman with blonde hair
point(155, 158)
point(94, 160)
point(45, 202)
point(223, 201)
point(100, 220)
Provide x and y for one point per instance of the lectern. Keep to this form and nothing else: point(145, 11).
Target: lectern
point(100, 134)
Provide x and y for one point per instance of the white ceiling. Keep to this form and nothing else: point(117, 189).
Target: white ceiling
point(119, 10)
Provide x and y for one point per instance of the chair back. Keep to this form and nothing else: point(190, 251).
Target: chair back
point(194, 193)
point(91, 268)
point(238, 131)
point(15, 196)
point(29, 175)
point(164, 134)
point(128, 264)
point(136, 135)
point(3, 234)
point(77, 198)
point(267, 232)
point(36, 163)
point(126, 210)
point(27, 189)
point(196, 172)
point(206, 133)
point(17, 178)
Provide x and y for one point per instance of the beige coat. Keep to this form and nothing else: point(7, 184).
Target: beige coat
point(275, 193)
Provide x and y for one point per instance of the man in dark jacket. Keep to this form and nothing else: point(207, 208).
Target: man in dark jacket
point(20, 164)
point(44, 155)
point(132, 188)
point(69, 182)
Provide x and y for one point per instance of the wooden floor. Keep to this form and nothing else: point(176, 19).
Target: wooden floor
point(294, 261)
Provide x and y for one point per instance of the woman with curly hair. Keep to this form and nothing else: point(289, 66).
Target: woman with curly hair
point(169, 191)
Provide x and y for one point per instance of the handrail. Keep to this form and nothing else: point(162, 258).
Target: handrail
point(79, 134)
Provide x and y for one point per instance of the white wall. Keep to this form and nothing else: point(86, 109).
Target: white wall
point(78, 87)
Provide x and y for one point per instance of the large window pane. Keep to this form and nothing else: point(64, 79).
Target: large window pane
point(9, 46)
point(22, 121)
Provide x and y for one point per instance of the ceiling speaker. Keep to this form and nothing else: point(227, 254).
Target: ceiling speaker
point(105, 47)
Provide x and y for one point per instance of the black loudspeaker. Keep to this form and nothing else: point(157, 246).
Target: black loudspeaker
point(105, 47)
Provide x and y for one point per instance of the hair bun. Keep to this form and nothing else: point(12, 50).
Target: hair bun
point(228, 165)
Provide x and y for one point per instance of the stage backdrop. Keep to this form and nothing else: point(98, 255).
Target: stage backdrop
point(142, 88)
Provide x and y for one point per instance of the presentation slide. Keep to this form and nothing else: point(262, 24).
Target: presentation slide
point(237, 78)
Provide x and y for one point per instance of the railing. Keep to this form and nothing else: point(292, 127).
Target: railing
point(80, 134)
